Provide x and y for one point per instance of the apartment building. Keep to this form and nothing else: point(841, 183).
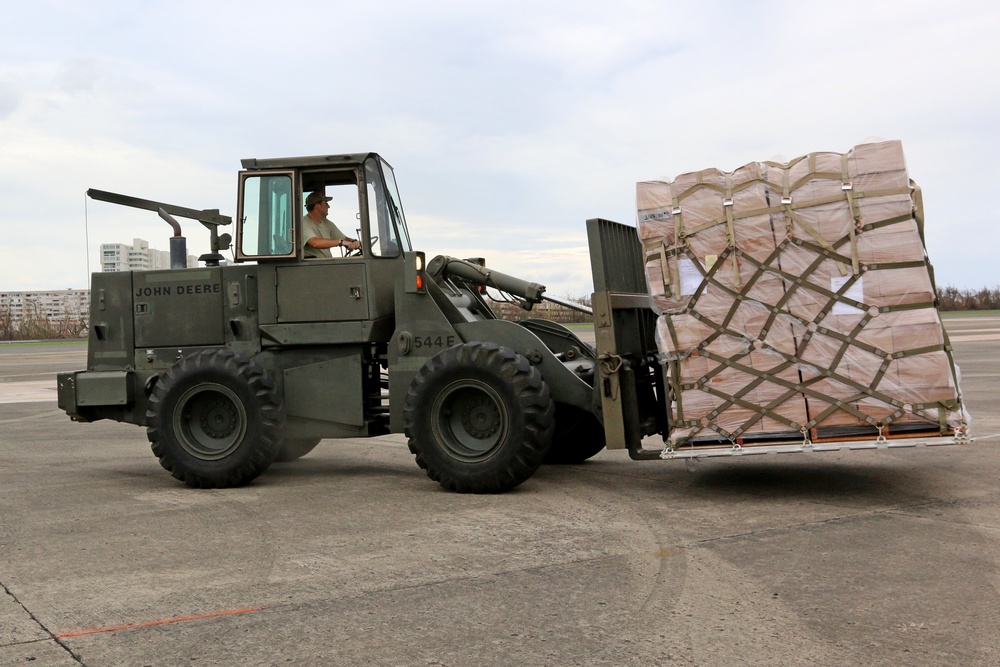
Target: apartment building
point(54, 305)
point(136, 257)
point(74, 304)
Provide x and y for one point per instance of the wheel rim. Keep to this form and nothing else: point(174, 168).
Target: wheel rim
point(210, 421)
point(470, 420)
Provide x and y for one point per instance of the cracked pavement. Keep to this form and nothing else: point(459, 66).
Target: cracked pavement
point(352, 555)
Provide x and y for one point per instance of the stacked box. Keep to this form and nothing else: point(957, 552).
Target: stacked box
point(797, 299)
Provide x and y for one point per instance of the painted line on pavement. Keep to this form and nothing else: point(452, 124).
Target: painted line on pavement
point(150, 624)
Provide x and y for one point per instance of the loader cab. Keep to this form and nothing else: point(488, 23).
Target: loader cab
point(365, 205)
point(311, 301)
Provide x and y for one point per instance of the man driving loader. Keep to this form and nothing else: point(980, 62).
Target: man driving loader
point(319, 234)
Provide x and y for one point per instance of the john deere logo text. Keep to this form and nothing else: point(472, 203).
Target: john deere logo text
point(178, 290)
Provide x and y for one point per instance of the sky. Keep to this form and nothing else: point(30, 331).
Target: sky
point(508, 124)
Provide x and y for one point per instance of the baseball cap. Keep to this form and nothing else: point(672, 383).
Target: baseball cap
point(316, 197)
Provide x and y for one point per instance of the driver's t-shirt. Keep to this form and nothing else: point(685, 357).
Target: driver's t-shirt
point(324, 229)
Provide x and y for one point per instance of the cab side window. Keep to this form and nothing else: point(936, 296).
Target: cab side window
point(267, 228)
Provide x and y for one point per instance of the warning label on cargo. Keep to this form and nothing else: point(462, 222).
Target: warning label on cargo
point(855, 291)
point(690, 276)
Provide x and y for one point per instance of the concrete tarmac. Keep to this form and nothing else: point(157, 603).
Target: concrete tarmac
point(353, 556)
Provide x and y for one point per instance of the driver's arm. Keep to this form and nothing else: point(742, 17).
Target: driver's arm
point(320, 243)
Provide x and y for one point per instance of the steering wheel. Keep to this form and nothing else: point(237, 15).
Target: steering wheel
point(358, 253)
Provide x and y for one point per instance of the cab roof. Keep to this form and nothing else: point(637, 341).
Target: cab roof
point(343, 160)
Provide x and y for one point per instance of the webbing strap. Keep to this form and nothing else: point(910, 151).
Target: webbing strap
point(886, 222)
point(921, 410)
point(654, 250)
point(917, 195)
point(679, 233)
point(727, 205)
point(848, 187)
point(932, 412)
point(779, 208)
point(818, 237)
point(806, 236)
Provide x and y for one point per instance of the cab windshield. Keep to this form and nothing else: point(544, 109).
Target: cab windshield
point(385, 211)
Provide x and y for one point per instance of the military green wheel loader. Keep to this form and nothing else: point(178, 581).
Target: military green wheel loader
point(233, 367)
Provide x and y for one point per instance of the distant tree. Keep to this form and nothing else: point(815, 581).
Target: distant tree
point(952, 299)
point(35, 325)
point(6, 322)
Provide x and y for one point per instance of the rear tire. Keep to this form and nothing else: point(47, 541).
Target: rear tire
point(293, 449)
point(479, 418)
point(213, 420)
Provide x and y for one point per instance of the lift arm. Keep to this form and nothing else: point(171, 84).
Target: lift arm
point(207, 217)
point(210, 218)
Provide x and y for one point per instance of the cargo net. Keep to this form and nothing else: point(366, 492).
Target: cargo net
point(796, 302)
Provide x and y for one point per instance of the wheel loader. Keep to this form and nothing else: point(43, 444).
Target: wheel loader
point(233, 366)
point(770, 342)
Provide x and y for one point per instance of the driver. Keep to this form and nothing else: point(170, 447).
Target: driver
point(318, 233)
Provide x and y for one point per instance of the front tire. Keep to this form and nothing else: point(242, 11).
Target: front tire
point(213, 420)
point(479, 418)
point(579, 436)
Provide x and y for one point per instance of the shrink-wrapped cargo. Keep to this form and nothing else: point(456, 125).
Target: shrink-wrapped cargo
point(796, 301)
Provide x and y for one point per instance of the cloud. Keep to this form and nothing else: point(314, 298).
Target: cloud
point(508, 125)
point(9, 99)
point(48, 219)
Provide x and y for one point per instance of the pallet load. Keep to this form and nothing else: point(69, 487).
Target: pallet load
point(796, 303)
